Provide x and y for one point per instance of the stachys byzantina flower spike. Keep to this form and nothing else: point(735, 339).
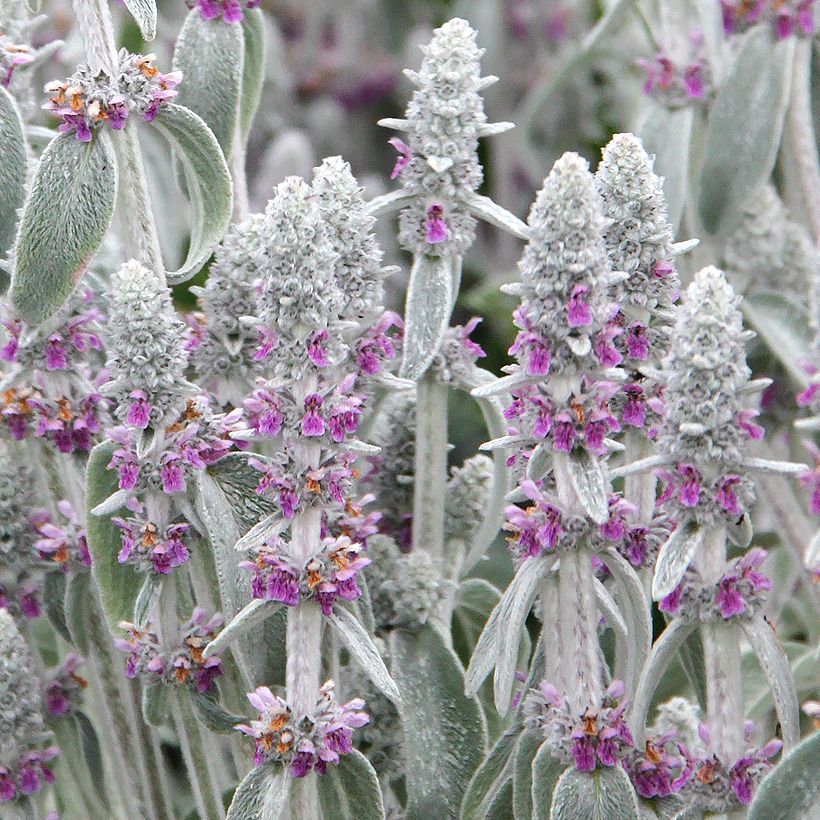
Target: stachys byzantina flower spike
point(438, 166)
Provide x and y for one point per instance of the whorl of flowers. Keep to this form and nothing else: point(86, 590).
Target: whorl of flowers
point(62, 543)
point(455, 361)
point(705, 422)
point(767, 250)
point(303, 743)
point(564, 272)
point(50, 387)
point(467, 492)
point(326, 576)
point(638, 543)
point(231, 11)
point(599, 737)
point(300, 295)
point(146, 359)
point(148, 548)
point(639, 243)
point(175, 660)
point(439, 163)
point(785, 17)
point(737, 593)
point(22, 734)
point(92, 96)
point(404, 587)
point(64, 690)
point(679, 77)
point(12, 55)
point(221, 344)
point(349, 230)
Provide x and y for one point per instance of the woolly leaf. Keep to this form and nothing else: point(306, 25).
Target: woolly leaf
point(145, 13)
point(91, 749)
point(350, 791)
point(791, 789)
point(149, 593)
point(119, 584)
point(54, 588)
point(253, 68)
point(12, 168)
point(262, 795)
point(78, 588)
point(210, 56)
point(246, 620)
point(444, 733)
point(545, 772)
point(207, 181)
point(491, 777)
point(590, 484)
point(525, 753)
point(427, 313)
point(605, 794)
point(212, 716)
point(155, 703)
point(65, 217)
point(674, 558)
point(744, 127)
point(364, 652)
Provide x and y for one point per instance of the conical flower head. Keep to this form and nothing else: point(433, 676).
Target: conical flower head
point(300, 297)
point(21, 722)
point(349, 230)
point(564, 272)
point(145, 347)
point(704, 370)
point(638, 236)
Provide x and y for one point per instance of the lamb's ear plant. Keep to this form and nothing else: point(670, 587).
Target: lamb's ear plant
point(251, 542)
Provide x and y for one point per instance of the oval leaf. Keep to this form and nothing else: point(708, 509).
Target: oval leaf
point(744, 127)
point(545, 772)
point(427, 312)
point(444, 733)
point(92, 751)
point(262, 795)
point(54, 589)
point(155, 703)
point(674, 558)
point(207, 181)
point(78, 587)
point(145, 13)
point(253, 69)
point(605, 794)
point(791, 789)
point(210, 55)
point(350, 791)
point(119, 584)
point(12, 168)
point(65, 217)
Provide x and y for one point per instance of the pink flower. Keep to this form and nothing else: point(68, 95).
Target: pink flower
point(435, 230)
point(578, 313)
point(637, 345)
point(139, 411)
point(403, 159)
point(689, 492)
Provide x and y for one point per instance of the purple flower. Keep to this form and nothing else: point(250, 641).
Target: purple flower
point(402, 160)
point(578, 312)
point(637, 344)
point(435, 229)
point(139, 411)
point(312, 423)
point(689, 492)
point(634, 412)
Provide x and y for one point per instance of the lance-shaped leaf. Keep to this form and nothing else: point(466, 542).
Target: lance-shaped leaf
point(78, 588)
point(663, 653)
point(54, 589)
point(246, 620)
point(210, 56)
point(118, 584)
point(262, 795)
point(776, 668)
point(589, 483)
point(791, 790)
point(12, 168)
point(491, 777)
point(155, 703)
point(544, 775)
point(444, 732)
point(350, 791)
point(65, 217)
point(525, 752)
point(149, 594)
point(212, 716)
point(91, 749)
point(667, 134)
point(605, 794)
point(207, 181)
point(145, 13)
point(744, 127)
point(674, 558)
point(427, 312)
point(253, 68)
point(625, 667)
point(364, 652)
point(484, 208)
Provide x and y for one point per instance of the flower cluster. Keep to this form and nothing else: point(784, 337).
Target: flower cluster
point(22, 735)
point(11, 55)
point(738, 592)
point(231, 11)
point(679, 80)
point(726, 498)
point(663, 769)
point(326, 576)
point(598, 737)
point(455, 360)
point(439, 166)
point(175, 661)
point(638, 543)
point(786, 17)
point(303, 743)
point(65, 545)
point(148, 549)
point(63, 693)
point(91, 96)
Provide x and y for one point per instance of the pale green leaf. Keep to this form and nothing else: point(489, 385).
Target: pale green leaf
point(253, 68)
point(145, 13)
point(350, 791)
point(12, 168)
point(605, 794)
point(545, 771)
point(494, 773)
point(262, 795)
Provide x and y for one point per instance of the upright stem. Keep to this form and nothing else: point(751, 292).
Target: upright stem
point(431, 467)
point(639, 489)
point(237, 160)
